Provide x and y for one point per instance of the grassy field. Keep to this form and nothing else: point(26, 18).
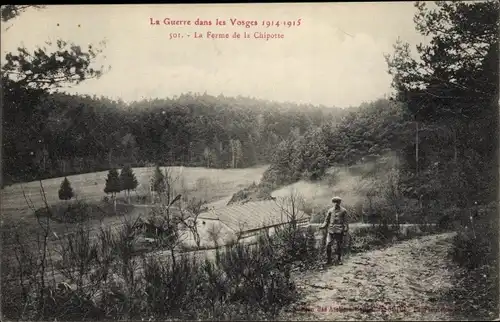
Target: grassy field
point(208, 184)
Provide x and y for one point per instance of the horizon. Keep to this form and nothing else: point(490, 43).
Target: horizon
point(346, 71)
point(280, 104)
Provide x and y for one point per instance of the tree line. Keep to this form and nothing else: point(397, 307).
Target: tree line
point(365, 134)
point(56, 134)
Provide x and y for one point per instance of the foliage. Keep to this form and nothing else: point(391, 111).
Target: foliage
point(128, 180)
point(74, 134)
point(65, 192)
point(113, 184)
point(105, 280)
point(9, 12)
point(254, 192)
point(451, 91)
point(44, 70)
point(452, 88)
point(79, 211)
point(364, 134)
point(475, 252)
point(28, 76)
point(382, 235)
point(158, 181)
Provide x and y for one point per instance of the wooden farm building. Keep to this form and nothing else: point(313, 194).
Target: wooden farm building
point(243, 220)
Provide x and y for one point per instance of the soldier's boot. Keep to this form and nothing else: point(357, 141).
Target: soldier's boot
point(339, 258)
point(328, 255)
point(338, 252)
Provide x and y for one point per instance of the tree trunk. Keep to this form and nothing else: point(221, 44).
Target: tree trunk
point(455, 149)
point(44, 160)
point(196, 237)
point(416, 149)
point(172, 253)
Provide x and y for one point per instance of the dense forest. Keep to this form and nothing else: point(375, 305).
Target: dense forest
point(365, 134)
point(55, 134)
point(442, 120)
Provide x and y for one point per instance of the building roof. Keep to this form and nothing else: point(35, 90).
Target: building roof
point(254, 215)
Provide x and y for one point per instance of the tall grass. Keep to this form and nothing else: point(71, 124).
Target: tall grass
point(103, 278)
point(475, 253)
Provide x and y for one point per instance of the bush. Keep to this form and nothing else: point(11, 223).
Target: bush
point(475, 251)
point(78, 211)
point(380, 235)
point(73, 212)
point(252, 193)
point(474, 246)
point(106, 281)
point(257, 276)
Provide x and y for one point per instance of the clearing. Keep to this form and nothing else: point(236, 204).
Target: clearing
point(403, 282)
point(208, 184)
point(211, 185)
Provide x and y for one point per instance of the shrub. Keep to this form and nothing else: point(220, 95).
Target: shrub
point(474, 246)
point(74, 212)
point(475, 251)
point(380, 235)
point(107, 281)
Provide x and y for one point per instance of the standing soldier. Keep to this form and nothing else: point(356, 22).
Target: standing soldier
point(337, 225)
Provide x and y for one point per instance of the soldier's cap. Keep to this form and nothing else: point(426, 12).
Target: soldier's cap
point(336, 199)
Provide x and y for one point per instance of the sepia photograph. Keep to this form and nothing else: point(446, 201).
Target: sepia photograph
point(250, 161)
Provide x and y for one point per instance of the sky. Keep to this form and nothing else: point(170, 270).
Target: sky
point(335, 57)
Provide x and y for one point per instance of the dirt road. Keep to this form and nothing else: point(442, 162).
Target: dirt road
point(403, 282)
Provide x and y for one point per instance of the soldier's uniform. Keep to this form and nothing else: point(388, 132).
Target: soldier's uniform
point(337, 226)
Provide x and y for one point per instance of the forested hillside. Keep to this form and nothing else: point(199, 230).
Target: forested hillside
point(47, 135)
point(442, 121)
point(365, 133)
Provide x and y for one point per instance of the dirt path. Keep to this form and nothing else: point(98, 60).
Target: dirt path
point(403, 282)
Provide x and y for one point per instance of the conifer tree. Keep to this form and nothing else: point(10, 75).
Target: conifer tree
point(113, 185)
point(128, 180)
point(158, 181)
point(65, 191)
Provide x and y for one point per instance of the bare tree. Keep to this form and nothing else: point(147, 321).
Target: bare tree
point(393, 195)
point(214, 233)
point(189, 217)
point(242, 227)
point(207, 154)
point(33, 259)
point(202, 187)
point(166, 225)
point(290, 207)
point(173, 185)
